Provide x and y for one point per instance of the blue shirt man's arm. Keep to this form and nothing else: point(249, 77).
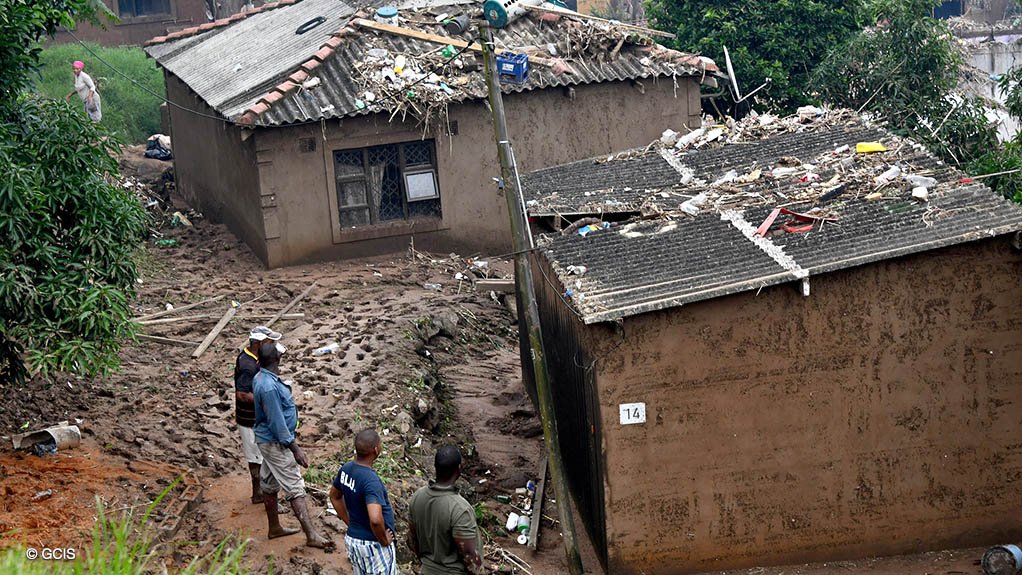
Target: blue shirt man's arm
point(270, 402)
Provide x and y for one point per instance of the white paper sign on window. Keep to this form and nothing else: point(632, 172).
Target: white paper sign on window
point(421, 186)
point(632, 413)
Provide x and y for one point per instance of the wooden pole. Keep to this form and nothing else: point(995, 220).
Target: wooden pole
point(178, 309)
point(220, 325)
point(165, 340)
point(522, 243)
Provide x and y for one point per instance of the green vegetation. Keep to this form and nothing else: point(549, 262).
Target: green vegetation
point(906, 73)
point(124, 545)
point(67, 269)
point(128, 111)
point(782, 41)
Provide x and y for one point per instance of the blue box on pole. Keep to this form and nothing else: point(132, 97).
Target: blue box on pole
point(513, 68)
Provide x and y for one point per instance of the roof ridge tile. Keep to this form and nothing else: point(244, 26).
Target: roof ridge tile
point(303, 73)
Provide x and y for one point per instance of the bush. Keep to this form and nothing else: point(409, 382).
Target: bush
point(128, 110)
point(67, 271)
point(906, 73)
point(780, 40)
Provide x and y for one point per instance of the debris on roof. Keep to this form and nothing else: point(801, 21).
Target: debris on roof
point(748, 204)
point(356, 60)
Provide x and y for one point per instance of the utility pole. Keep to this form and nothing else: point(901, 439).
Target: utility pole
point(522, 242)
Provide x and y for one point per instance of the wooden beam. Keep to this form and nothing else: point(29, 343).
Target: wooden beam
point(497, 285)
point(537, 507)
point(220, 325)
point(573, 14)
point(435, 38)
point(165, 340)
point(177, 309)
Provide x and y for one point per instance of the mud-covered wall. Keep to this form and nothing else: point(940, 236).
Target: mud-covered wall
point(215, 170)
point(879, 415)
point(547, 127)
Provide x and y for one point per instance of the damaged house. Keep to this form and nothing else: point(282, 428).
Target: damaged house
point(318, 131)
point(781, 341)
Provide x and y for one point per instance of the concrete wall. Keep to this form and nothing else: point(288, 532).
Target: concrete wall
point(994, 58)
point(135, 31)
point(216, 170)
point(880, 415)
point(546, 127)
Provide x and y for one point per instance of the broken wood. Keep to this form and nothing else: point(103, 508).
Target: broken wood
point(177, 309)
point(573, 14)
point(497, 285)
point(208, 316)
point(537, 507)
point(165, 340)
point(290, 305)
point(220, 325)
point(436, 39)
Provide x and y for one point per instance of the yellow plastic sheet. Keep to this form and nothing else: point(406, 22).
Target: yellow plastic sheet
point(869, 147)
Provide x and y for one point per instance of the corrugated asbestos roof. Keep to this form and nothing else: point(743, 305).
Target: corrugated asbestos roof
point(229, 67)
point(254, 66)
point(676, 259)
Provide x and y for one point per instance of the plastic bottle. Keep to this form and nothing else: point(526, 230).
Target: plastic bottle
point(923, 181)
point(330, 348)
point(888, 176)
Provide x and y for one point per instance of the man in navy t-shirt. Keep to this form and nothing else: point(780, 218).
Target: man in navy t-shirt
point(361, 500)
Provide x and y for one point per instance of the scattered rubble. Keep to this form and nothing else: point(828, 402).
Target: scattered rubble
point(894, 168)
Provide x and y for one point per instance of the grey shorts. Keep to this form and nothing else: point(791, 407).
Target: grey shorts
point(280, 471)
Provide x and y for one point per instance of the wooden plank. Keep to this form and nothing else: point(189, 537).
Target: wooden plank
point(497, 285)
point(436, 38)
point(178, 309)
point(167, 320)
point(573, 14)
point(165, 340)
point(293, 303)
point(537, 507)
point(220, 325)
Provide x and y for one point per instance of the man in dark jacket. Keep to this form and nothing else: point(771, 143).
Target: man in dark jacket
point(245, 369)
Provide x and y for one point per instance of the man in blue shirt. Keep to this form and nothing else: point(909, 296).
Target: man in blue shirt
point(276, 418)
point(361, 500)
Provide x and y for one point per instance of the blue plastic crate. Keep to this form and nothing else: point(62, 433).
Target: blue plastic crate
point(513, 68)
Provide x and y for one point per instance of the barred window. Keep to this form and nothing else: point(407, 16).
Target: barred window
point(387, 183)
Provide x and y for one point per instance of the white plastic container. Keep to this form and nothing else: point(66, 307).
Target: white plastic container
point(330, 348)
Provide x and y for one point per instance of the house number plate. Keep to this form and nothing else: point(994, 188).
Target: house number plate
point(632, 413)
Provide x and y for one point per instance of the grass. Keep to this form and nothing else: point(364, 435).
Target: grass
point(128, 110)
point(123, 545)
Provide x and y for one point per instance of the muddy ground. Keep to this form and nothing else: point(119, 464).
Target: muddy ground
point(423, 365)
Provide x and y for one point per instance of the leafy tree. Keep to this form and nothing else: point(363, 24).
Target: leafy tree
point(69, 233)
point(906, 72)
point(780, 40)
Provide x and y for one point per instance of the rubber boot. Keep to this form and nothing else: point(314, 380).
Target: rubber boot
point(270, 503)
point(257, 491)
point(312, 538)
